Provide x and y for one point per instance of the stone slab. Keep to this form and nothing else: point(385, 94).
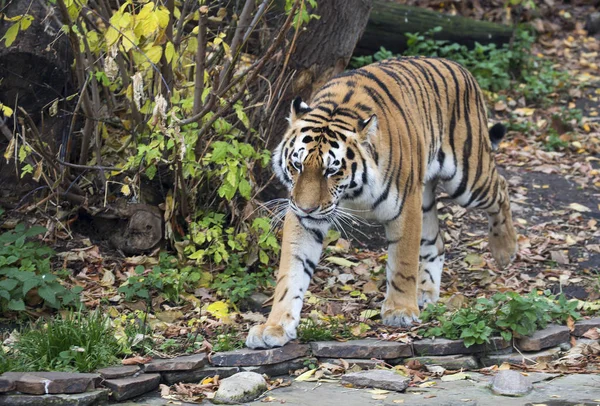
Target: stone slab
point(529, 358)
point(7, 384)
point(551, 336)
point(442, 346)
point(452, 362)
point(119, 372)
point(380, 379)
point(44, 383)
point(248, 357)
point(92, 398)
point(183, 363)
point(366, 348)
point(361, 363)
point(584, 325)
point(196, 375)
point(282, 368)
point(127, 388)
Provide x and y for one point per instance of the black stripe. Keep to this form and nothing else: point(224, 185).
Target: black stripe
point(396, 287)
point(284, 295)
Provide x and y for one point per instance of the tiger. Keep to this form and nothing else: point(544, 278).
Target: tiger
point(376, 141)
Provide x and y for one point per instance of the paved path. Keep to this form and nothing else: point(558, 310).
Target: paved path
point(548, 389)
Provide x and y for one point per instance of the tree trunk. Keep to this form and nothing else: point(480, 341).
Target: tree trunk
point(390, 21)
point(321, 51)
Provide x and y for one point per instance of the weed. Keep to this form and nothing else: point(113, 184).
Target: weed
point(326, 329)
point(554, 142)
point(25, 267)
point(78, 342)
point(236, 282)
point(504, 314)
point(227, 341)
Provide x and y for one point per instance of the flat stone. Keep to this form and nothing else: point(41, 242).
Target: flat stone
point(248, 357)
point(378, 378)
point(91, 398)
point(127, 388)
point(443, 346)
point(184, 363)
point(365, 348)
point(118, 372)
point(282, 368)
point(449, 361)
point(551, 336)
point(44, 383)
point(529, 358)
point(7, 384)
point(240, 388)
point(510, 383)
point(196, 375)
point(359, 362)
point(584, 325)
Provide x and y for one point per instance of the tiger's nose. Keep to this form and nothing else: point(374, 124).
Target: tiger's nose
point(308, 210)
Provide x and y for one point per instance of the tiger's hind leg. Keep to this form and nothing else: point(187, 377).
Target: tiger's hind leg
point(431, 254)
point(502, 234)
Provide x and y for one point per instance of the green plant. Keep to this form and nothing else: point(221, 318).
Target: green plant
point(25, 267)
point(77, 342)
point(237, 282)
point(553, 141)
point(227, 341)
point(324, 329)
point(504, 314)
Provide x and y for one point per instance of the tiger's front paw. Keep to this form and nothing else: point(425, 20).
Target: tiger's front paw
point(399, 315)
point(427, 293)
point(269, 336)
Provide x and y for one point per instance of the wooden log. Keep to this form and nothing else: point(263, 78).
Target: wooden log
point(390, 21)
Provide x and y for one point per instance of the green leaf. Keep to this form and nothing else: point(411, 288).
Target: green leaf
point(8, 284)
point(48, 294)
point(30, 284)
point(16, 304)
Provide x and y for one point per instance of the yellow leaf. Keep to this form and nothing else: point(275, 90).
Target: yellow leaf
point(129, 39)
point(26, 21)
point(7, 111)
point(11, 34)
point(306, 375)
point(455, 377)
point(169, 51)
point(398, 401)
point(10, 150)
point(524, 111)
point(379, 391)
point(125, 190)
point(379, 397)
point(579, 207)
point(154, 53)
point(219, 309)
point(163, 16)
point(341, 261)
point(38, 171)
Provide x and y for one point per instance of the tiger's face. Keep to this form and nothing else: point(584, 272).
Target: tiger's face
point(322, 159)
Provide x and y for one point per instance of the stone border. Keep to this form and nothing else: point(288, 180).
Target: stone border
point(126, 382)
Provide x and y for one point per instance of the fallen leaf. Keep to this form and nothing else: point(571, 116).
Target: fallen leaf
point(341, 261)
point(592, 334)
point(579, 207)
point(379, 397)
point(455, 377)
point(137, 360)
point(306, 375)
point(378, 391)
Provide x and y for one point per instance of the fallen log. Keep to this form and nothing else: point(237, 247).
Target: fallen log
point(390, 21)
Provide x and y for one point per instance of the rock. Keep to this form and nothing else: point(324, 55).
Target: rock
point(43, 383)
point(449, 361)
point(282, 368)
point(184, 363)
point(379, 378)
point(118, 372)
point(529, 358)
point(196, 375)
point(91, 398)
point(551, 336)
point(361, 349)
point(583, 326)
point(592, 23)
point(510, 383)
point(443, 346)
point(7, 384)
point(361, 363)
point(248, 357)
point(127, 388)
point(240, 388)
point(255, 303)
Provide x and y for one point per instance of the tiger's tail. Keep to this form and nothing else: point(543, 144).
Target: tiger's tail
point(497, 132)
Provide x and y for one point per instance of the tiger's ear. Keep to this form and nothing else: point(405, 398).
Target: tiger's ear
point(299, 108)
point(367, 129)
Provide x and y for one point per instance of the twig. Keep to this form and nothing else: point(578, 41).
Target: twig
point(200, 60)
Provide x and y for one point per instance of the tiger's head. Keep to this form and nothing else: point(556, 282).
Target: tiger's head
point(323, 158)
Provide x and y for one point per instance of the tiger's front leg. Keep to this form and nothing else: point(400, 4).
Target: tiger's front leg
point(300, 252)
point(400, 306)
